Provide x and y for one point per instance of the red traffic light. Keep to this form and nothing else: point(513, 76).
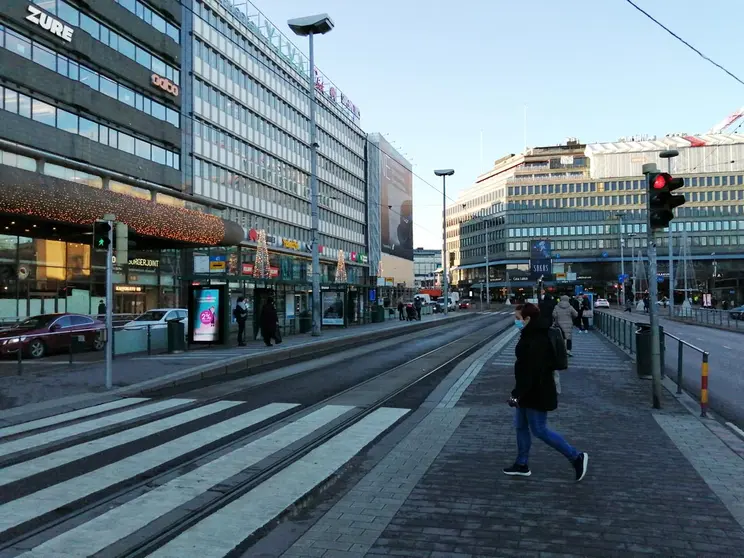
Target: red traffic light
point(661, 181)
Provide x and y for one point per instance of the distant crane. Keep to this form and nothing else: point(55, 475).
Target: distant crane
point(726, 122)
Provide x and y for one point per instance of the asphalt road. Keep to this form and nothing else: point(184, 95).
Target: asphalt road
point(726, 363)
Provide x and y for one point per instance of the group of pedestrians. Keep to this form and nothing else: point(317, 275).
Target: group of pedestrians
point(536, 391)
point(268, 321)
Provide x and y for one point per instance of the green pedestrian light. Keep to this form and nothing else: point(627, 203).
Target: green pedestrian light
point(101, 235)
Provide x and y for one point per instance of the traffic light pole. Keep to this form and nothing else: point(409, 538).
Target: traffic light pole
point(653, 295)
point(109, 303)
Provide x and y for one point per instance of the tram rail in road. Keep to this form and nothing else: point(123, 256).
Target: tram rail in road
point(233, 470)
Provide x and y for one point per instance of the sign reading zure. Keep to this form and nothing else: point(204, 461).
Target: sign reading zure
point(45, 21)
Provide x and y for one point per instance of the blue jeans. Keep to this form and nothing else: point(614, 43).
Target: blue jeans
point(537, 421)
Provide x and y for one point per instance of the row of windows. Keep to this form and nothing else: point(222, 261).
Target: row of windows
point(149, 16)
point(111, 38)
point(618, 185)
point(216, 177)
point(23, 46)
point(600, 244)
point(28, 107)
point(238, 154)
point(241, 41)
point(207, 57)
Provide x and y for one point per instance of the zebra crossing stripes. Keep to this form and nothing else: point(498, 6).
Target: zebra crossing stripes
point(87, 449)
point(112, 524)
point(219, 534)
point(70, 415)
point(120, 522)
point(59, 434)
point(37, 504)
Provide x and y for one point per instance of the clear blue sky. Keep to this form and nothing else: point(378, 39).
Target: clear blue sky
point(431, 74)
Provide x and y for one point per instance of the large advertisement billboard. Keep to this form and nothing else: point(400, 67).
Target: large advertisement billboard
point(396, 207)
point(540, 259)
point(207, 314)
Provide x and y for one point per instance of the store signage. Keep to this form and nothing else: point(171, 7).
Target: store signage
point(45, 21)
point(140, 262)
point(291, 244)
point(217, 263)
point(248, 270)
point(127, 289)
point(165, 84)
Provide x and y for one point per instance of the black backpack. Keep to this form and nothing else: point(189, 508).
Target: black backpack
point(558, 341)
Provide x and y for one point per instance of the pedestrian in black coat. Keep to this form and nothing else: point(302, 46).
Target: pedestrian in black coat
point(535, 393)
point(269, 322)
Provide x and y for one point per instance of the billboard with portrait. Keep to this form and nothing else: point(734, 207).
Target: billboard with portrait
point(396, 202)
point(540, 259)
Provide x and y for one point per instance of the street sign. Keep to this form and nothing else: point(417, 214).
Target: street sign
point(622, 277)
point(659, 279)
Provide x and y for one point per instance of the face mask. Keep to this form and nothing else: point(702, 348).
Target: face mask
point(519, 324)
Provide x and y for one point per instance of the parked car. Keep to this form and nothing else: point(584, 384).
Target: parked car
point(601, 303)
point(48, 333)
point(465, 304)
point(158, 318)
point(737, 313)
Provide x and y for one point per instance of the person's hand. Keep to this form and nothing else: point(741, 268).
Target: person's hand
point(513, 402)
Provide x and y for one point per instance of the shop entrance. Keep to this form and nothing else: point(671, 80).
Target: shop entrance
point(129, 303)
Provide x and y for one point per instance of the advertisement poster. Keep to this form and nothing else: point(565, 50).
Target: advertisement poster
point(332, 307)
point(205, 315)
point(396, 195)
point(541, 265)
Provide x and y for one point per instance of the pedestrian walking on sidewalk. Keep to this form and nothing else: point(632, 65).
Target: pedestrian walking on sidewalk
point(564, 315)
point(269, 322)
point(401, 310)
point(241, 316)
point(586, 313)
point(535, 394)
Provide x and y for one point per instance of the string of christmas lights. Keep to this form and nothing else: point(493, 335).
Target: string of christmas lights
point(58, 200)
point(341, 268)
point(261, 268)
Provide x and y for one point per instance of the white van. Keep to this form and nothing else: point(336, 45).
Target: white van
point(425, 298)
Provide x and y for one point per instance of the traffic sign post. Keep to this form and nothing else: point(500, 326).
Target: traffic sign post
point(99, 242)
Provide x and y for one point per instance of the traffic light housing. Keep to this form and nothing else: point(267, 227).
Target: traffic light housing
point(101, 235)
point(661, 201)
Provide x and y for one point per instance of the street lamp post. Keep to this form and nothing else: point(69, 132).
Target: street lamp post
point(621, 298)
point(444, 173)
point(309, 27)
point(488, 259)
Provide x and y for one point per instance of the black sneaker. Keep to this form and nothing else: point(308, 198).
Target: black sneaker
point(580, 465)
point(517, 470)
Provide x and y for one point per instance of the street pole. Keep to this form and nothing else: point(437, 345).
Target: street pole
point(314, 195)
point(445, 287)
point(109, 302)
point(653, 296)
point(488, 281)
point(668, 155)
point(621, 298)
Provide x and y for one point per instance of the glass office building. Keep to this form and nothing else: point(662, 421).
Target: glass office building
point(250, 139)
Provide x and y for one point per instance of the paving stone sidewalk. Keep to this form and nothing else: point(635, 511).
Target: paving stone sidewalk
point(441, 492)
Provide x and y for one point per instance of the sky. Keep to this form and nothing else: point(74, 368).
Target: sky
point(433, 75)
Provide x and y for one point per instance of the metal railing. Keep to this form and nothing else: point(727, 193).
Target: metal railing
point(710, 317)
point(622, 332)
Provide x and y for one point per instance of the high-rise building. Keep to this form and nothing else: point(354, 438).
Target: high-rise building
point(595, 202)
point(247, 146)
point(90, 112)
point(425, 266)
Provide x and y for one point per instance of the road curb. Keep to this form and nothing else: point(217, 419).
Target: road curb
point(230, 368)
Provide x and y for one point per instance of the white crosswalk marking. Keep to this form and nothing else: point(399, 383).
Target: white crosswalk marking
point(114, 525)
point(49, 499)
point(58, 434)
point(217, 534)
point(71, 415)
point(225, 529)
point(80, 451)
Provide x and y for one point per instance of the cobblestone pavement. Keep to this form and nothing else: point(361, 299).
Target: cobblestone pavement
point(441, 492)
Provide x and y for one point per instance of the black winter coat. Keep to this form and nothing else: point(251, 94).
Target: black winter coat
point(533, 370)
point(269, 320)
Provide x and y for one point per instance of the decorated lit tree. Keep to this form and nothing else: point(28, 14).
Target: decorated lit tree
point(341, 268)
point(261, 268)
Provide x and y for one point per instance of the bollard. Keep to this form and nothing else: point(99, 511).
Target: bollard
point(149, 341)
point(704, 387)
point(680, 360)
point(72, 347)
point(20, 360)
